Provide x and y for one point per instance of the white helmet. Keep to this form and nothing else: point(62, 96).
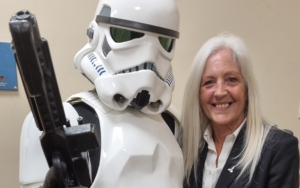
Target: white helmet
point(128, 57)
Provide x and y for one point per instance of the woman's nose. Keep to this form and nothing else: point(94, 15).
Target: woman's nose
point(220, 90)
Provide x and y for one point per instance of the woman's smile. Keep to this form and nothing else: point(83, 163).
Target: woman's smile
point(221, 106)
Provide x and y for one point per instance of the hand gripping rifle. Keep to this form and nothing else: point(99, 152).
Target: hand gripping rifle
point(64, 146)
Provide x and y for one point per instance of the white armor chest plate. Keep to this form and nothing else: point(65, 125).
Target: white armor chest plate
point(138, 150)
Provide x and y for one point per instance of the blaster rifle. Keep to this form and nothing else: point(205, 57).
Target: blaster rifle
point(64, 146)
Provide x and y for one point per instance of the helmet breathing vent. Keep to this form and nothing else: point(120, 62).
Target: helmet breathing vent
point(105, 47)
point(170, 79)
point(141, 100)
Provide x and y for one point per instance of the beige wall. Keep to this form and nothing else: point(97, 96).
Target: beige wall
point(269, 28)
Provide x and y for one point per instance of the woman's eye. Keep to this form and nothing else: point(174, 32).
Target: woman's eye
point(232, 79)
point(208, 82)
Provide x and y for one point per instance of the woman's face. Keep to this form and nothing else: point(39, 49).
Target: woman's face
point(222, 91)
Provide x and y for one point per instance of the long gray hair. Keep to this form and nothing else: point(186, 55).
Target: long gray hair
point(194, 121)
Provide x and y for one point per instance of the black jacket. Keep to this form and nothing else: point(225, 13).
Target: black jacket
point(278, 166)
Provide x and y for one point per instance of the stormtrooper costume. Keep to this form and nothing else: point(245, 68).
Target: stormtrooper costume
point(128, 59)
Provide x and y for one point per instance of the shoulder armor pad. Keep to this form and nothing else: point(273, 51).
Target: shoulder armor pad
point(33, 165)
point(91, 98)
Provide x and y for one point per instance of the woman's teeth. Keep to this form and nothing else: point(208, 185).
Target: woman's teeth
point(222, 105)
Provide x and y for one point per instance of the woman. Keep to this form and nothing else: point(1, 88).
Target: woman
point(226, 142)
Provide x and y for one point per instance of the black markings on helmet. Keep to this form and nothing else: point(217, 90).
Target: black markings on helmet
point(143, 66)
point(105, 47)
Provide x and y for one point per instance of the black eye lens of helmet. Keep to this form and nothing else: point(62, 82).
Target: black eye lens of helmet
point(123, 35)
point(166, 43)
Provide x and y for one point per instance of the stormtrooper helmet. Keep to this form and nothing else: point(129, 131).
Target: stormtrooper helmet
point(129, 52)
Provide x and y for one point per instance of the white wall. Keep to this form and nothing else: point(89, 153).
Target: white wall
point(269, 28)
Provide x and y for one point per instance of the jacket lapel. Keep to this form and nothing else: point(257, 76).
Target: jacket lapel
point(230, 172)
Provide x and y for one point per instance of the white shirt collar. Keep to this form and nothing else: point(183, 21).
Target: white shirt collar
point(208, 133)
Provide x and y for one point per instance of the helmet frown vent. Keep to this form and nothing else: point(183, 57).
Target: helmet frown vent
point(105, 47)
